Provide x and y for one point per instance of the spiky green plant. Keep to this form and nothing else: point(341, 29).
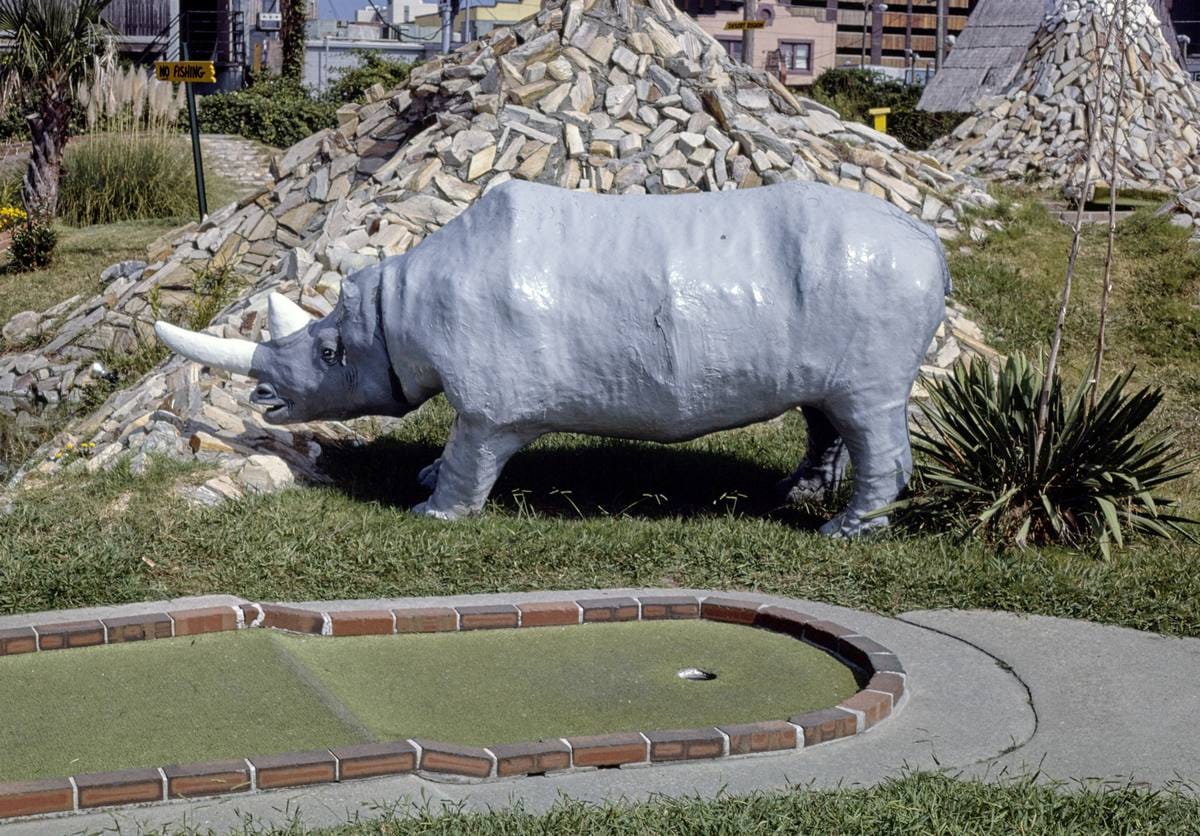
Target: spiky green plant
point(49, 45)
point(1094, 482)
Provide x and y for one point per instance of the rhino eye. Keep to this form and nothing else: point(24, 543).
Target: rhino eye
point(329, 353)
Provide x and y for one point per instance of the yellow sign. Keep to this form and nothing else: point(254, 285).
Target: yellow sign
point(881, 115)
point(185, 72)
point(745, 24)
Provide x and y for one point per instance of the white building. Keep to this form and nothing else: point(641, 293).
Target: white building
point(395, 12)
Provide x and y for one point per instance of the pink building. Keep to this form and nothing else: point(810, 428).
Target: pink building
point(796, 42)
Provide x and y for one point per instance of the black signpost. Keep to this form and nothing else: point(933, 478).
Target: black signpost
point(189, 73)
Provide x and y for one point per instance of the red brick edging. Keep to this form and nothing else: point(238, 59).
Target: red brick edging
point(873, 663)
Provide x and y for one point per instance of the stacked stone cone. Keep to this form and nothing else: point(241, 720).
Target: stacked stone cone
point(617, 96)
point(1038, 129)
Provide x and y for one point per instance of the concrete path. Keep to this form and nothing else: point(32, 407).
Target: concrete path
point(991, 693)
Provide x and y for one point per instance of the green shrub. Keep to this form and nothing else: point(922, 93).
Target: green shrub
point(352, 84)
point(273, 111)
point(852, 92)
point(32, 244)
point(117, 177)
point(1094, 485)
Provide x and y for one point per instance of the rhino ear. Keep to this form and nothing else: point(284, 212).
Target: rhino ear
point(285, 317)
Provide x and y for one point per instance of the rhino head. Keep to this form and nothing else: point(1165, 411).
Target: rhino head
point(331, 368)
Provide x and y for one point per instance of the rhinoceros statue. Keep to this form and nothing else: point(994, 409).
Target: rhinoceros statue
point(662, 318)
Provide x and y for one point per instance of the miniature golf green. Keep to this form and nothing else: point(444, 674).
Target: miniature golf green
point(259, 692)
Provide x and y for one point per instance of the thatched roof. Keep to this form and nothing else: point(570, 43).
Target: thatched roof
point(989, 51)
point(986, 56)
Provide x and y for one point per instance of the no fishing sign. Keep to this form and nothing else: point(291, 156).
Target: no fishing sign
point(185, 72)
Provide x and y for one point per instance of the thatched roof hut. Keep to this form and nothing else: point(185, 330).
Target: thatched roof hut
point(990, 50)
point(986, 55)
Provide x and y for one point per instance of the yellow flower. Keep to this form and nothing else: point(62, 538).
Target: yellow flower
point(10, 216)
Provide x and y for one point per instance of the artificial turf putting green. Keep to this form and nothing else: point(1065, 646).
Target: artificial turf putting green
point(156, 703)
point(505, 686)
point(256, 692)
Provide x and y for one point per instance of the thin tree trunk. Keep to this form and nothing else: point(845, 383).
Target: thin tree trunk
point(293, 37)
point(1051, 370)
point(1106, 289)
point(48, 129)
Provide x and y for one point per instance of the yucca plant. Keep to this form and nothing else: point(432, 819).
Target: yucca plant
point(1095, 481)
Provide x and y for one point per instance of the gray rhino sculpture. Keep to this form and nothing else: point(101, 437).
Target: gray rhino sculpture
point(662, 318)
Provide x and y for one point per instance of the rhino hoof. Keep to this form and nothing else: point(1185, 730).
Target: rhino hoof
point(841, 526)
point(423, 510)
point(428, 477)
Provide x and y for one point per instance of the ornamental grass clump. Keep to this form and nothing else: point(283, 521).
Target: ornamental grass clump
point(1094, 483)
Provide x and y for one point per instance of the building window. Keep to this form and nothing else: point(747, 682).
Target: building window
point(733, 47)
point(796, 56)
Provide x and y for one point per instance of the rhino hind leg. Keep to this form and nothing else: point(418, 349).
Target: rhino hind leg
point(877, 439)
point(428, 476)
point(475, 454)
point(824, 464)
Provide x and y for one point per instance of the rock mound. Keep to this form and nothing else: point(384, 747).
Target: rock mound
point(614, 96)
point(1038, 128)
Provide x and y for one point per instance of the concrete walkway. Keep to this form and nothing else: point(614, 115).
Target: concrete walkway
point(991, 694)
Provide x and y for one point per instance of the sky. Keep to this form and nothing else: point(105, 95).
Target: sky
point(344, 9)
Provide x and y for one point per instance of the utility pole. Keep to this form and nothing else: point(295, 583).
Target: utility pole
point(940, 54)
point(749, 12)
point(862, 61)
point(446, 7)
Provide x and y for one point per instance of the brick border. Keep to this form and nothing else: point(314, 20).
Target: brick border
point(872, 663)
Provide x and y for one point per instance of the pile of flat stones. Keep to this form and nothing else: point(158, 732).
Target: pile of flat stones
point(1037, 130)
point(616, 96)
point(1184, 210)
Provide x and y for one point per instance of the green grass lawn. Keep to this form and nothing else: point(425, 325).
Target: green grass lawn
point(81, 255)
point(571, 512)
point(253, 693)
point(915, 803)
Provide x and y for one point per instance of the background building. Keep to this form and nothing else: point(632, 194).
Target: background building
point(795, 42)
point(899, 37)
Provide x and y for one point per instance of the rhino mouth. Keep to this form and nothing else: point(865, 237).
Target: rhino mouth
point(277, 408)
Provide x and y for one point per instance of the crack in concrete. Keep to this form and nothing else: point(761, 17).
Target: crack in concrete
point(1004, 666)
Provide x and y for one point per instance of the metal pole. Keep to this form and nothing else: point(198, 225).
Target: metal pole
point(447, 10)
point(862, 61)
point(940, 53)
point(466, 33)
point(197, 162)
point(749, 12)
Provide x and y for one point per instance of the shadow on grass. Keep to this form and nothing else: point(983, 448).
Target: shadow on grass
point(566, 477)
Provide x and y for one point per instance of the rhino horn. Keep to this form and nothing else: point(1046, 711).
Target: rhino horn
point(284, 316)
point(231, 355)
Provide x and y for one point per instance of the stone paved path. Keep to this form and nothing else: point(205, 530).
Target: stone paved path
point(241, 161)
point(991, 694)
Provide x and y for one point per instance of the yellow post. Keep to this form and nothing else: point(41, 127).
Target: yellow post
point(881, 115)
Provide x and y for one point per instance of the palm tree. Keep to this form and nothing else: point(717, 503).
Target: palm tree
point(51, 42)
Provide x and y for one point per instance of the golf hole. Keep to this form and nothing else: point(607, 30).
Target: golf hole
point(696, 675)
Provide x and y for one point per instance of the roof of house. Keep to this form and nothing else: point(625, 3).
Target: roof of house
point(986, 55)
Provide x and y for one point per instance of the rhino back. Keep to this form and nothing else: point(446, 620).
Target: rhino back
point(701, 311)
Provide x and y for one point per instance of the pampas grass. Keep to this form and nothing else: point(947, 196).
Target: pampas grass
point(132, 162)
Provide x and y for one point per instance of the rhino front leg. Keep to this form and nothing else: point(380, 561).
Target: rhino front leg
point(824, 464)
point(475, 454)
point(882, 458)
